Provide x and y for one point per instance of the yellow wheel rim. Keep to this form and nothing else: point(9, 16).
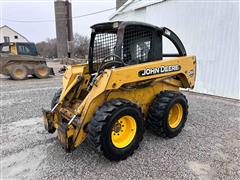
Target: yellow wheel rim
point(19, 73)
point(42, 71)
point(123, 131)
point(175, 115)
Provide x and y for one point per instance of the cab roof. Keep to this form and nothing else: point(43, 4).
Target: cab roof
point(115, 25)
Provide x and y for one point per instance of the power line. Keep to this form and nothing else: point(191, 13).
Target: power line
point(97, 12)
point(51, 20)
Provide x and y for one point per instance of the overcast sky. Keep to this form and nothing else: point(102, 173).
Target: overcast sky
point(44, 10)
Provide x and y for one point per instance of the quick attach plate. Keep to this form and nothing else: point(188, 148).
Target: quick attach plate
point(48, 121)
point(65, 141)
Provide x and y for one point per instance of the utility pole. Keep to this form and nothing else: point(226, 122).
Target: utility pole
point(64, 32)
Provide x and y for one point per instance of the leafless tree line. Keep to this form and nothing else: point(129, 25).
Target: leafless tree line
point(48, 48)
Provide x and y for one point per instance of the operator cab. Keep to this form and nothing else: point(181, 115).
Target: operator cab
point(19, 48)
point(116, 44)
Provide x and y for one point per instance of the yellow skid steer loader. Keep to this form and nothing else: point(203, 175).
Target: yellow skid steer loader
point(128, 83)
point(20, 59)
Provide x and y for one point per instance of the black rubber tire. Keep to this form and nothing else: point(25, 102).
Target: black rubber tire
point(56, 98)
point(100, 127)
point(39, 75)
point(16, 68)
point(159, 110)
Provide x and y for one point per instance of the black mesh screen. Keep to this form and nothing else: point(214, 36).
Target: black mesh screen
point(137, 45)
point(104, 44)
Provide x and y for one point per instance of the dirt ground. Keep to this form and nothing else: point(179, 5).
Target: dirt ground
point(207, 148)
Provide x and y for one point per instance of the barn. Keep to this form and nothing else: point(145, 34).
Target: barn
point(7, 34)
point(208, 29)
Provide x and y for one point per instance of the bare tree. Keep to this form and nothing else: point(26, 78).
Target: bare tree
point(47, 48)
point(80, 46)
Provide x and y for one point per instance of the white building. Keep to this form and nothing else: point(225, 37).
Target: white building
point(208, 29)
point(9, 35)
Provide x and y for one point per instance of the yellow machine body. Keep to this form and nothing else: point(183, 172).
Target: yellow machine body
point(123, 82)
point(129, 81)
point(13, 48)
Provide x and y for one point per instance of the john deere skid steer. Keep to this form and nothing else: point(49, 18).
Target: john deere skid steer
point(127, 84)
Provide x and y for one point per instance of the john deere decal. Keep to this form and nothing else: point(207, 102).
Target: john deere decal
point(159, 70)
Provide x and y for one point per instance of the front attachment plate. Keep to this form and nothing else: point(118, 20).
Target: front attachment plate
point(65, 141)
point(48, 121)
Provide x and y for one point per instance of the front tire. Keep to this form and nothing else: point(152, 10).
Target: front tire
point(116, 129)
point(41, 71)
point(56, 97)
point(168, 113)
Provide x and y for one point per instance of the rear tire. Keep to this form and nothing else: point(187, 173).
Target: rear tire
point(41, 71)
point(18, 72)
point(168, 113)
point(116, 129)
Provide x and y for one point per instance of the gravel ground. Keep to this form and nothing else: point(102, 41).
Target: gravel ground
point(207, 148)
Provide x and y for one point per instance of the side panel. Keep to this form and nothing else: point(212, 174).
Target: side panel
point(142, 96)
point(183, 67)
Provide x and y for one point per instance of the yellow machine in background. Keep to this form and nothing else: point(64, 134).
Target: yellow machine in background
point(126, 84)
point(20, 59)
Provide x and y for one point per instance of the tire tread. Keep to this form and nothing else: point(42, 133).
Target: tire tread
point(100, 119)
point(158, 110)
